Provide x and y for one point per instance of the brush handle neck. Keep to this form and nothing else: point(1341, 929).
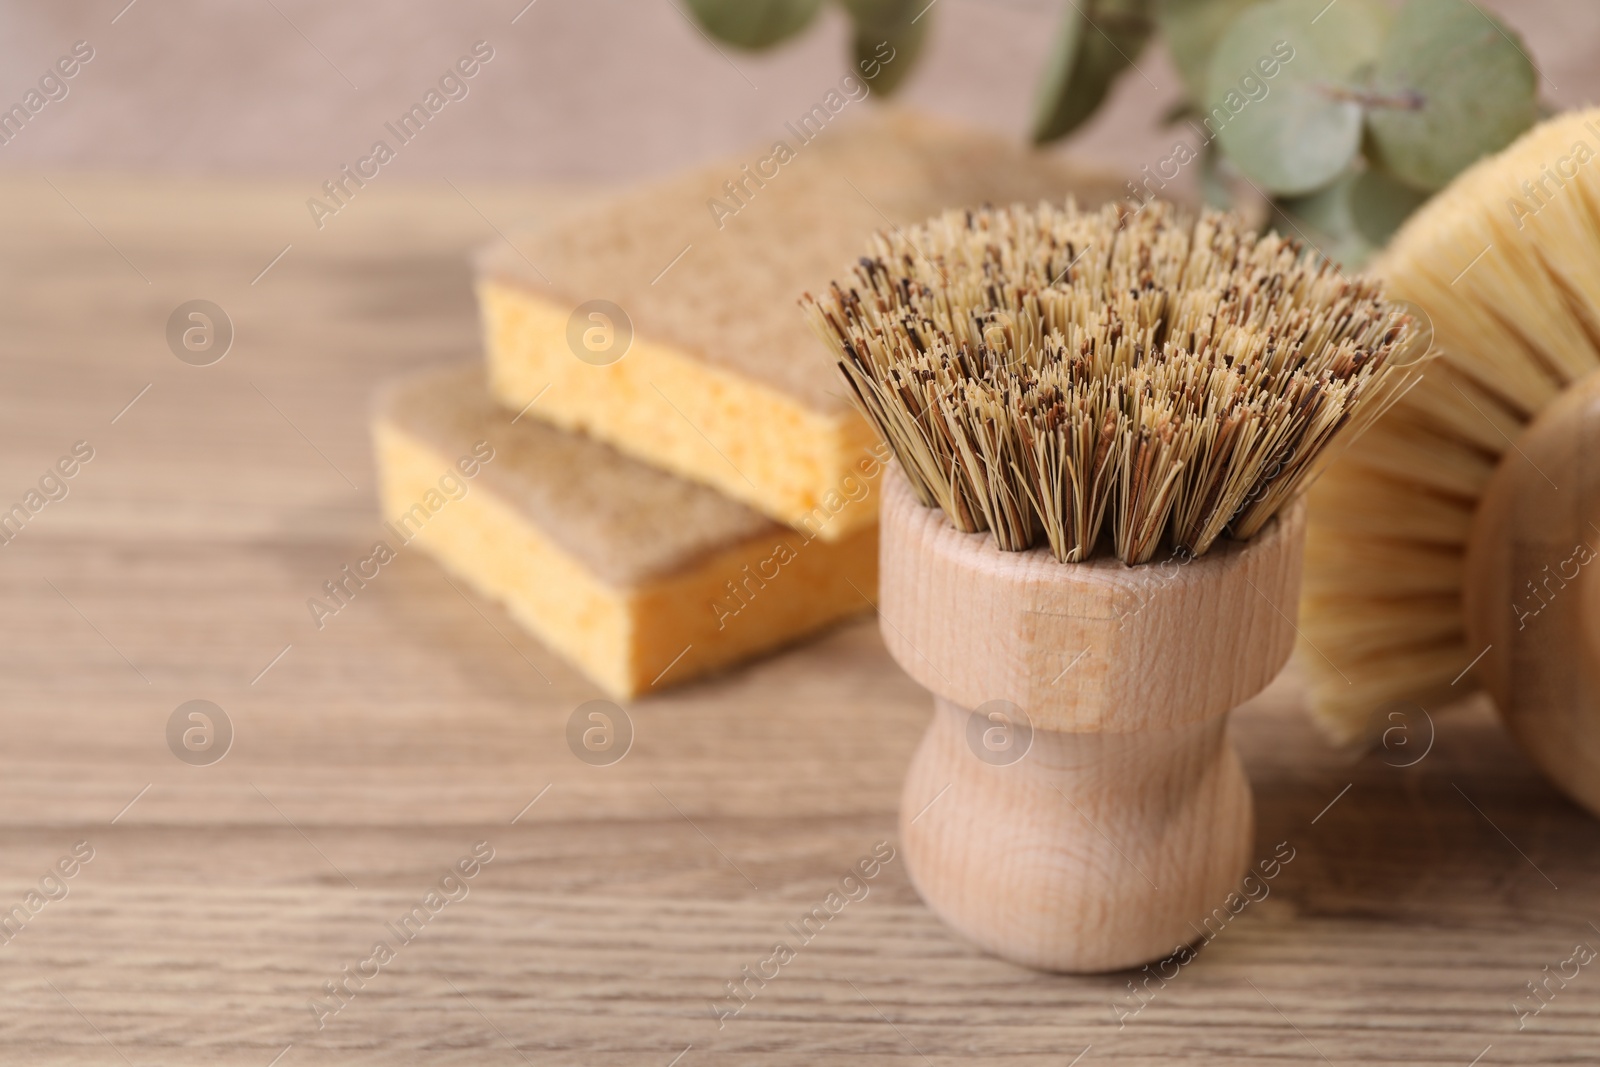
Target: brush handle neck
point(1093, 852)
point(1532, 591)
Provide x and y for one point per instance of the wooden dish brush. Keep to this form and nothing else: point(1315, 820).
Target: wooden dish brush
point(1459, 532)
point(1103, 421)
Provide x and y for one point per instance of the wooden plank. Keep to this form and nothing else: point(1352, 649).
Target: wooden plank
point(375, 752)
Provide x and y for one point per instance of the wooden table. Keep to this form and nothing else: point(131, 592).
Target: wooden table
point(370, 756)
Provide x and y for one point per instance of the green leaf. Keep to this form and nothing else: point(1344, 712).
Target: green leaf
point(1051, 118)
point(1176, 113)
point(1097, 42)
point(1380, 203)
point(1214, 188)
point(1451, 86)
point(1325, 212)
point(1281, 96)
point(754, 23)
point(1191, 30)
point(887, 38)
point(1324, 221)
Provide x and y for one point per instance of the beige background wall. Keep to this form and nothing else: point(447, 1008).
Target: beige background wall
point(578, 89)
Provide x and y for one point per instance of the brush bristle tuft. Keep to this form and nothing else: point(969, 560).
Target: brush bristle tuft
point(1063, 377)
point(1506, 262)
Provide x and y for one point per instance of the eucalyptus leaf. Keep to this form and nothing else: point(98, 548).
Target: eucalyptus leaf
point(1191, 30)
point(1282, 93)
point(1451, 86)
point(1380, 203)
point(887, 38)
point(1058, 76)
point(1324, 220)
point(1325, 212)
point(1176, 113)
point(754, 23)
point(1214, 188)
point(1096, 42)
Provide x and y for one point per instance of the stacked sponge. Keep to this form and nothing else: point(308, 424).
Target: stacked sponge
point(678, 482)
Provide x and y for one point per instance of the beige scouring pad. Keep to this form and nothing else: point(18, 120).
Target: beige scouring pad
point(641, 579)
point(721, 383)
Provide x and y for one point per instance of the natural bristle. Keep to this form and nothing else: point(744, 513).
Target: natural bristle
point(1064, 377)
point(1505, 262)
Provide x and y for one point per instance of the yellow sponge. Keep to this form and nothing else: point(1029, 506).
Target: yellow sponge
point(699, 361)
point(639, 578)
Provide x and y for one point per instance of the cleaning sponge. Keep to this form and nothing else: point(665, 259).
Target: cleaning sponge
point(708, 370)
point(641, 579)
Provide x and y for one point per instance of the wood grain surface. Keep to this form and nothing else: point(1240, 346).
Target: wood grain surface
point(373, 754)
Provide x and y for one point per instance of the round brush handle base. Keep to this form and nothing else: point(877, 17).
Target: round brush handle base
point(1532, 591)
point(1090, 852)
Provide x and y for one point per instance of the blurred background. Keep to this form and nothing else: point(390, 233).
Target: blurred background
point(579, 91)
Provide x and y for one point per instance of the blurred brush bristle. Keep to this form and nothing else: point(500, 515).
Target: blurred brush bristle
point(1504, 262)
point(1046, 373)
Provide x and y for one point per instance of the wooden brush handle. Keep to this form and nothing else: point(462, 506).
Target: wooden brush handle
point(1128, 820)
point(1533, 591)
